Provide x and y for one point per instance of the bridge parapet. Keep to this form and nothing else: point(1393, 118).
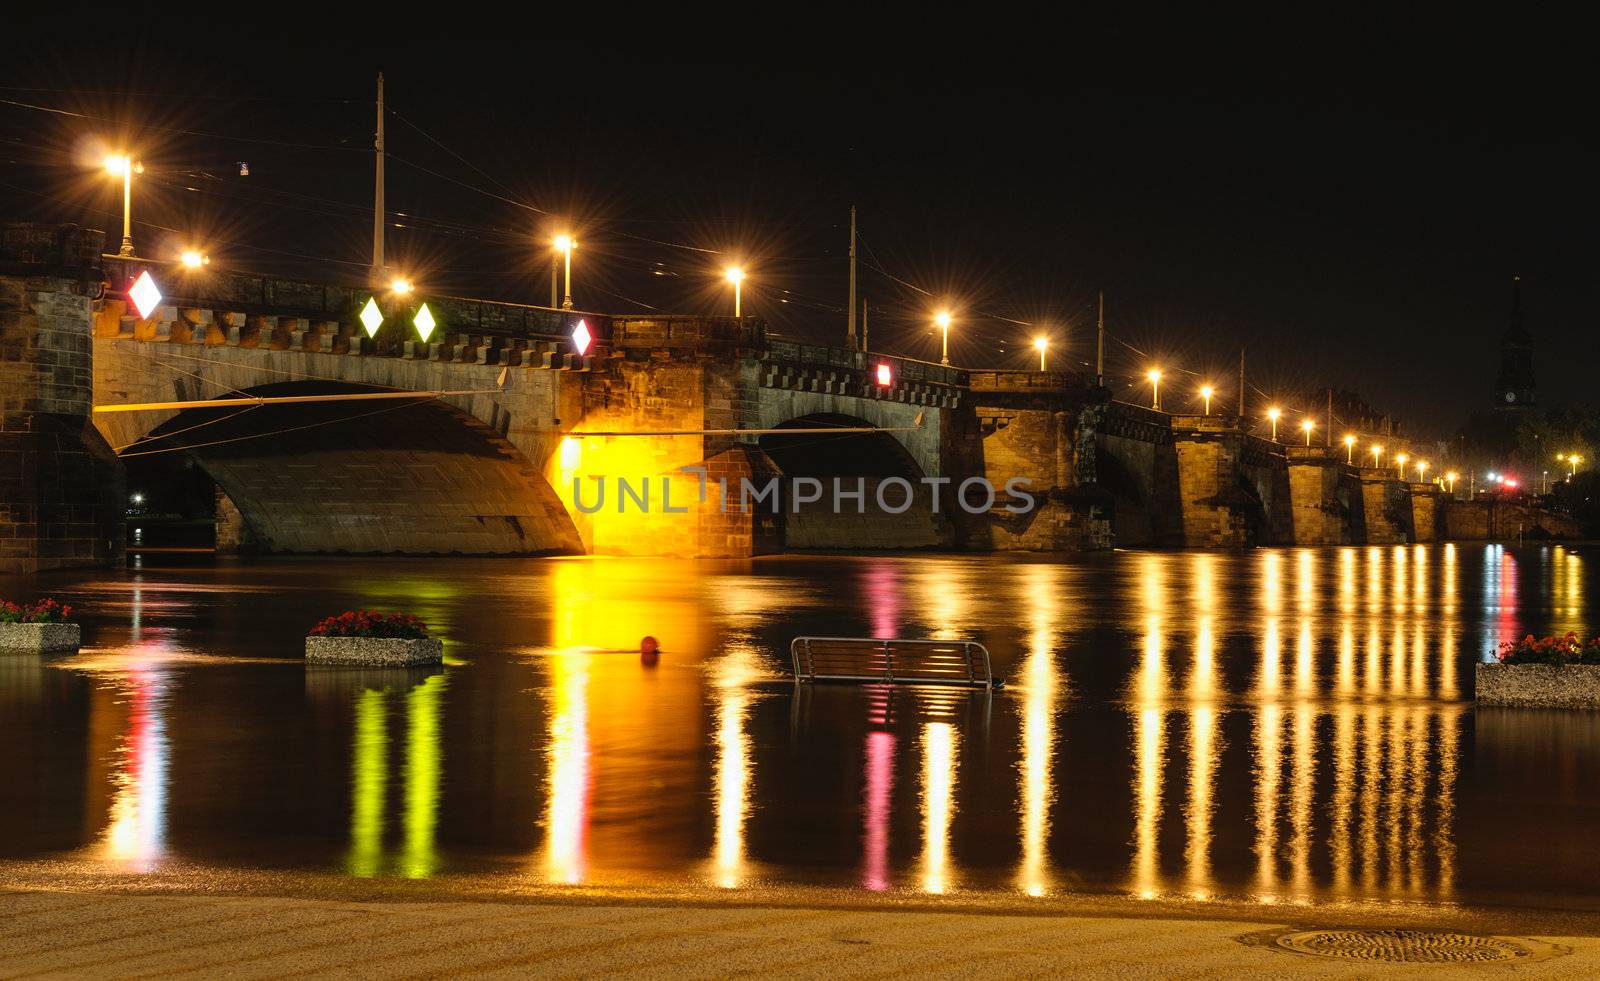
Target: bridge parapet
point(836, 371)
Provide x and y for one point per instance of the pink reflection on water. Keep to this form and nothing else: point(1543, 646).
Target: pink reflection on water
point(880, 787)
point(883, 599)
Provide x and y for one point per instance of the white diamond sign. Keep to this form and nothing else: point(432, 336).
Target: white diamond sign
point(371, 316)
point(424, 321)
point(144, 295)
point(581, 338)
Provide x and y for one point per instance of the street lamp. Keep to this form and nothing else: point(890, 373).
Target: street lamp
point(1451, 478)
point(400, 286)
point(1206, 391)
point(565, 244)
point(1041, 343)
point(1574, 459)
point(1154, 374)
point(1349, 449)
point(1273, 414)
point(1307, 425)
point(125, 167)
point(1422, 468)
point(942, 319)
point(1400, 461)
point(735, 275)
point(194, 259)
point(1377, 455)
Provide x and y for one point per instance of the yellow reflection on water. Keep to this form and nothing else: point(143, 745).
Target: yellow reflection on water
point(1040, 681)
point(567, 778)
point(369, 784)
point(938, 803)
point(733, 673)
point(1150, 761)
point(424, 770)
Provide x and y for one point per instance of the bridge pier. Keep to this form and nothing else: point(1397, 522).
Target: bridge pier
point(1386, 507)
point(1325, 497)
point(61, 487)
point(1217, 511)
point(1427, 512)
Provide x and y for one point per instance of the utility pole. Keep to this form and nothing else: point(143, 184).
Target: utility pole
point(1241, 386)
point(1327, 436)
point(378, 265)
point(863, 324)
point(852, 335)
point(1100, 345)
point(554, 296)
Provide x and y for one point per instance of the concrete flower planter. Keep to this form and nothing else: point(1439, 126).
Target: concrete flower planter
point(374, 652)
point(1541, 685)
point(39, 638)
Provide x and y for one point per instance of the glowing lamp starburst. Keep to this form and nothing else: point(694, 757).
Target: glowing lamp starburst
point(424, 321)
point(581, 338)
point(371, 316)
point(144, 295)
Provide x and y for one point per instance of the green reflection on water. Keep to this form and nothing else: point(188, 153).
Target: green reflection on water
point(422, 770)
point(369, 784)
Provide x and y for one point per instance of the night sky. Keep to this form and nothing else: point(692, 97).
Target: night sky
point(1352, 215)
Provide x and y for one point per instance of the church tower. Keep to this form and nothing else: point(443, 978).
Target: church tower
point(1514, 385)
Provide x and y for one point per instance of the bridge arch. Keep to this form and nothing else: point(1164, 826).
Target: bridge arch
point(851, 462)
point(410, 477)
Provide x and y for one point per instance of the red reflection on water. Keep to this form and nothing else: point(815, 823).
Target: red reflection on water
point(880, 787)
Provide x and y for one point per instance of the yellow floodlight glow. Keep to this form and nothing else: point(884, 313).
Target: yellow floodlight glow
point(118, 166)
point(1307, 425)
point(425, 322)
point(733, 274)
point(942, 318)
point(564, 243)
point(400, 286)
point(194, 259)
point(571, 453)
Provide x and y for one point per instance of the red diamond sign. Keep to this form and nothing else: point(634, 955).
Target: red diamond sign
point(144, 295)
point(581, 338)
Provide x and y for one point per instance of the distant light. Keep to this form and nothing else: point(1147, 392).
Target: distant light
point(194, 259)
point(1491, 475)
point(400, 286)
point(1511, 483)
point(371, 316)
point(1308, 425)
point(564, 243)
point(885, 375)
point(244, 168)
point(733, 274)
point(137, 498)
point(144, 295)
point(1349, 441)
point(1273, 413)
point(581, 338)
point(424, 321)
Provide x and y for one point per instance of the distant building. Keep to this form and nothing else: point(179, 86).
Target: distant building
point(1514, 389)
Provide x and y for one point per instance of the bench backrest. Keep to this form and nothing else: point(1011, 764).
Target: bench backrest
point(912, 662)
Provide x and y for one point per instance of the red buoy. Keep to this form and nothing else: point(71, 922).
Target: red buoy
point(649, 646)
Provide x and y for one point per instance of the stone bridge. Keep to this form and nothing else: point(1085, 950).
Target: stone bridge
point(640, 442)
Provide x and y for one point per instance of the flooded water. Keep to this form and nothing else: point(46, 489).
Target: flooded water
point(1280, 725)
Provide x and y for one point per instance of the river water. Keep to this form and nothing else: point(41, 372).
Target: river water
point(1281, 725)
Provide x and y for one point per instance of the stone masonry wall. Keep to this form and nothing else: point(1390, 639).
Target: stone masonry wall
point(61, 488)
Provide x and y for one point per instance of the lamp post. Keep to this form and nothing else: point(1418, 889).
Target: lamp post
point(1273, 414)
point(1377, 455)
point(1306, 425)
point(1349, 449)
point(1422, 468)
point(1400, 462)
point(1574, 459)
point(565, 244)
point(1041, 343)
point(1154, 374)
point(942, 319)
point(1451, 479)
point(125, 167)
point(735, 275)
point(1206, 391)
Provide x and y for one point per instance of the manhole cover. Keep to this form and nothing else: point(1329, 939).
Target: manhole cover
point(1409, 946)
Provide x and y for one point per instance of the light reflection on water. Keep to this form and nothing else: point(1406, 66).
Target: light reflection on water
point(1283, 725)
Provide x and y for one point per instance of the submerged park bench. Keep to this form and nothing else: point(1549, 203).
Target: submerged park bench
point(960, 663)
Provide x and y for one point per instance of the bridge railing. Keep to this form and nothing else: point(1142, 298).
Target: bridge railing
point(905, 369)
point(250, 293)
